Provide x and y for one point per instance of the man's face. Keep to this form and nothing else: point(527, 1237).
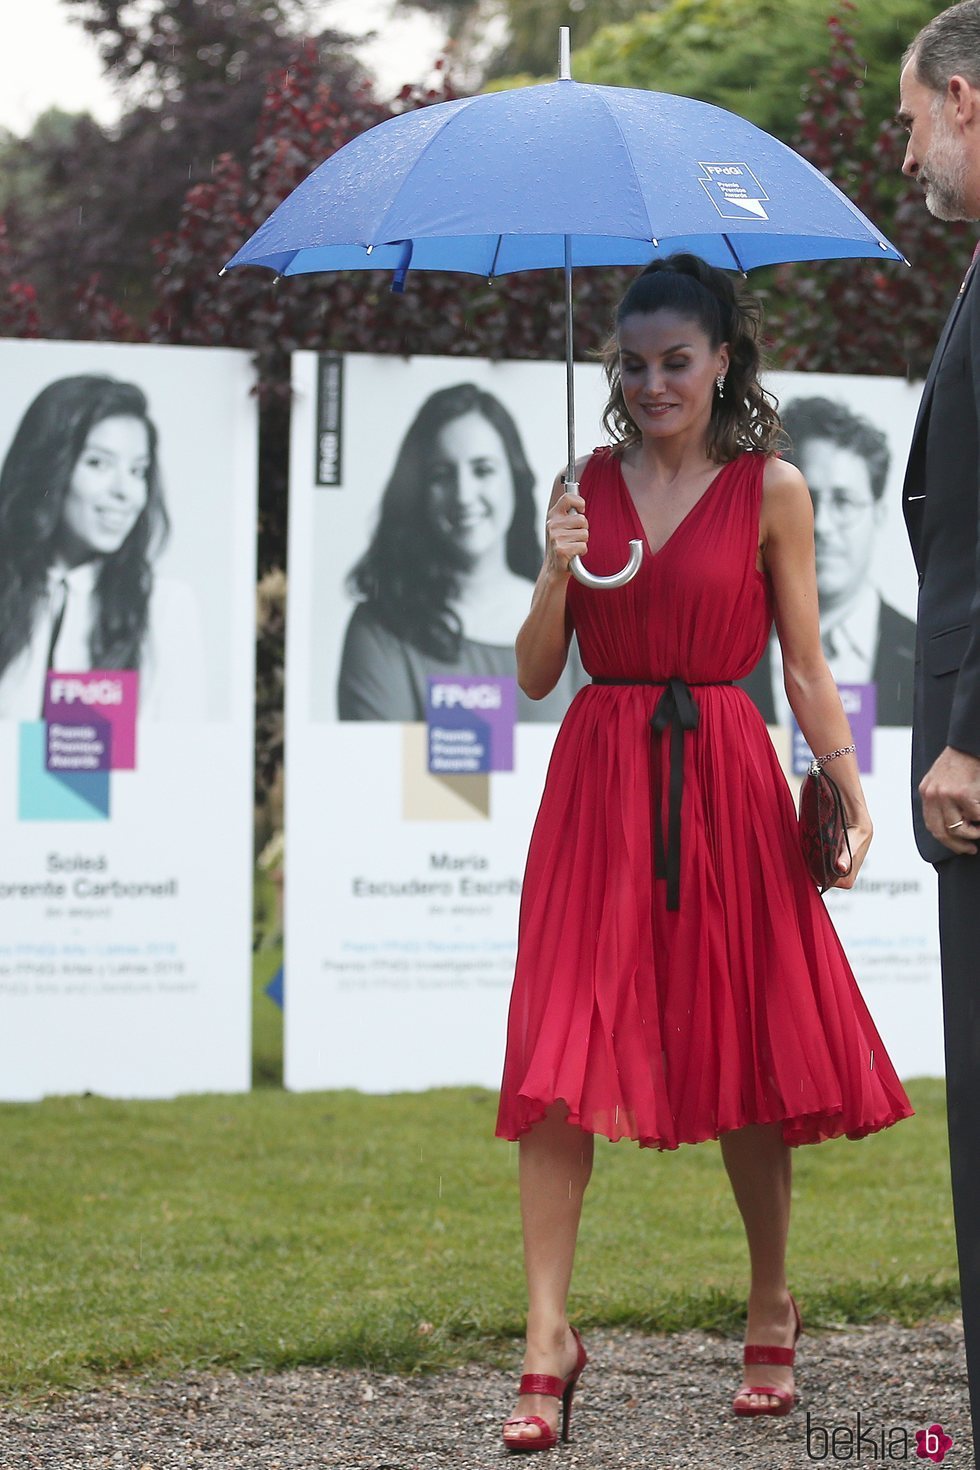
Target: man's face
point(936, 154)
point(846, 517)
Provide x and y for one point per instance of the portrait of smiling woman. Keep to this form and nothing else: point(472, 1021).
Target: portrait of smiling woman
point(82, 520)
point(447, 578)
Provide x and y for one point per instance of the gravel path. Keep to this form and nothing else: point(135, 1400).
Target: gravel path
point(645, 1402)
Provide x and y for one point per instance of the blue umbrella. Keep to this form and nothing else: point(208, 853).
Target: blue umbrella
point(564, 174)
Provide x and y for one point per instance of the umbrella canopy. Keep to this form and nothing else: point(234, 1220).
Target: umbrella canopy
point(497, 183)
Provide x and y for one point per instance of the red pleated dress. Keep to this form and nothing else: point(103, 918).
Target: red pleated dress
point(670, 1009)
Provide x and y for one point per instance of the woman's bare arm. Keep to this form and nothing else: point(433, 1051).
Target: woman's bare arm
point(542, 643)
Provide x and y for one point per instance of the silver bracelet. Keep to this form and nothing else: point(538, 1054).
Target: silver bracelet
point(822, 760)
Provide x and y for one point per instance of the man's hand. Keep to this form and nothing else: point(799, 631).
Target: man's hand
point(950, 793)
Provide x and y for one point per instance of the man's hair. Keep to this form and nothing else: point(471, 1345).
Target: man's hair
point(948, 46)
point(826, 418)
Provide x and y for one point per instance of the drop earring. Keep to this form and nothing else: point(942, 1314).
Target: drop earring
point(720, 384)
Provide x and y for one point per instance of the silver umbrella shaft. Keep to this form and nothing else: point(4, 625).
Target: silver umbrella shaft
point(576, 566)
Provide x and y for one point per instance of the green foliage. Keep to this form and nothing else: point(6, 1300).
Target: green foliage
point(270, 1229)
point(22, 174)
point(171, 49)
point(862, 316)
point(751, 56)
point(746, 55)
point(18, 299)
point(195, 73)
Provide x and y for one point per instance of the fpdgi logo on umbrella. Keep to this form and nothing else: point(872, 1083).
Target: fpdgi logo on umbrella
point(734, 190)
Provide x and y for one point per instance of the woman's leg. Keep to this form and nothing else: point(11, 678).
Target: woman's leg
point(555, 1165)
point(760, 1169)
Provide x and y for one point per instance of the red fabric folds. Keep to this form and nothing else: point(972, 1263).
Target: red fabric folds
point(740, 1007)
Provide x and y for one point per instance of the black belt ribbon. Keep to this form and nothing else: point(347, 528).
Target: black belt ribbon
point(677, 710)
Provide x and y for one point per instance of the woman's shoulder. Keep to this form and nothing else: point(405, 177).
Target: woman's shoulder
point(364, 619)
point(561, 479)
point(785, 498)
point(603, 460)
point(367, 631)
point(780, 479)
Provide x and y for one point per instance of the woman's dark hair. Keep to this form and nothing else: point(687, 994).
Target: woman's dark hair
point(34, 482)
point(411, 571)
point(745, 418)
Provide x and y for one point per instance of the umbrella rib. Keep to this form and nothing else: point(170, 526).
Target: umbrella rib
point(652, 232)
point(734, 253)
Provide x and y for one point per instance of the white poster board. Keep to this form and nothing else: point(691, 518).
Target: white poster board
point(403, 886)
point(127, 535)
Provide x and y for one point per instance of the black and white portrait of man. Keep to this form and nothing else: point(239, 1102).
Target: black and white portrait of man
point(845, 461)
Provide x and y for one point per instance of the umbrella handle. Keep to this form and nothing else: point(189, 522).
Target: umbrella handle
point(582, 574)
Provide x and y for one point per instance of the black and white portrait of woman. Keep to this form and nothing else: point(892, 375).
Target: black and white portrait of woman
point(82, 521)
point(446, 581)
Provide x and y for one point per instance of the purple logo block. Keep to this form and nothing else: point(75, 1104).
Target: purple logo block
point(74, 745)
point(860, 703)
point(91, 720)
point(471, 722)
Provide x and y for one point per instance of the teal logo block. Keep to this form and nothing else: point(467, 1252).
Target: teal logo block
point(56, 796)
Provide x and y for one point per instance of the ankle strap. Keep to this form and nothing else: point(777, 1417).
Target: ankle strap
point(545, 1383)
point(774, 1356)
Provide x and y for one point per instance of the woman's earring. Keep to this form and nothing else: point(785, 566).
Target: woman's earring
point(720, 384)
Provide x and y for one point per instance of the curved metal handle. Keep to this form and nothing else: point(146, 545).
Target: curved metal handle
point(582, 574)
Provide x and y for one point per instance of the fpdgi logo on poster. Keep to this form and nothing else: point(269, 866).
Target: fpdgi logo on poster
point(471, 724)
point(88, 730)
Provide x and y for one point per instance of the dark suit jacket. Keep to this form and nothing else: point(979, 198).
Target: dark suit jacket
point(942, 512)
point(892, 673)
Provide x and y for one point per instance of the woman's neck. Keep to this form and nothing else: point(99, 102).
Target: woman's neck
point(62, 561)
point(483, 580)
point(70, 551)
point(664, 461)
point(492, 601)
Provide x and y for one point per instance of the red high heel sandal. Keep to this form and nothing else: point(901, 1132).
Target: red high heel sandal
point(756, 1355)
point(554, 1387)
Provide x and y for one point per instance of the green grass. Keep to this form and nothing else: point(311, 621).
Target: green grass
point(272, 1229)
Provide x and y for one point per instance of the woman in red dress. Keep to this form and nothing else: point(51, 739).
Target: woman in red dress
point(678, 977)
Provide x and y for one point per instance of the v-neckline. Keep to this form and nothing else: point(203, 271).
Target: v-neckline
point(684, 519)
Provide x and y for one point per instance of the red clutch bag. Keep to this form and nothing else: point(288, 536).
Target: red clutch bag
point(823, 827)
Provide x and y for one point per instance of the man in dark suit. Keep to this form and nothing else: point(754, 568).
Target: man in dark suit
point(940, 108)
point(844, 460)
